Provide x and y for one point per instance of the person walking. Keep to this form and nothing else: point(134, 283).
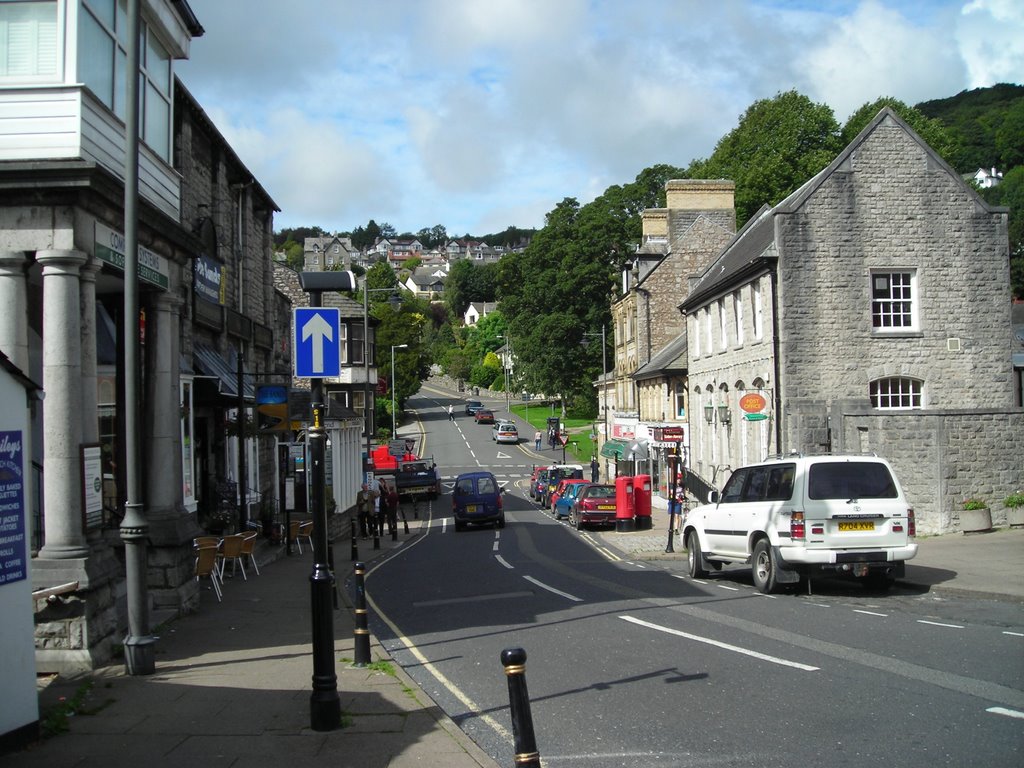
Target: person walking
point(538, 437)
point(390, 491)
point(380, 508)
point(364, 509)
point(451, 413)
point(595, 468)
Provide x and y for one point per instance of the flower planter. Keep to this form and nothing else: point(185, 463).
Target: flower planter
point(1015, 517)
point(975, 520)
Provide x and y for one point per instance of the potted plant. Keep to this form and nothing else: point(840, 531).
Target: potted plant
point(1014, 504)
point(975, 517)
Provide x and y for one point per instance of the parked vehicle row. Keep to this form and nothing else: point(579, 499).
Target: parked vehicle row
point(561, 490)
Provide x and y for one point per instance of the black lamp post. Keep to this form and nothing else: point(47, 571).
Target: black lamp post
point(324, 702)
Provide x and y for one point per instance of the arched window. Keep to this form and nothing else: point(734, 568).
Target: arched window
point(896, 393)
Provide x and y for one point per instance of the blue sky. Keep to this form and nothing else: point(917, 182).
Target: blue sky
point(483, 114)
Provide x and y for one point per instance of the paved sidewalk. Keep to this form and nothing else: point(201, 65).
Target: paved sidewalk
point(232, 688)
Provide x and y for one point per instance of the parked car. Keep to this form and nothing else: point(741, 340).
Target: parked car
point(484, 416)
point(798, 515)
point(472, 406)
point(558, 472)
point(565, 501)
point(505, 432)
point(476, 498)
point(534, 479)
point(563, 485)
point(593, 505)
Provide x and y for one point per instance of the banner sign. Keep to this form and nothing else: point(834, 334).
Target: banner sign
point(207, 274)
point(13, 544)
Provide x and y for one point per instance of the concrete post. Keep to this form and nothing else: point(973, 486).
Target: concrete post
point(87, 321)
point(62, 409)
point(163, 487)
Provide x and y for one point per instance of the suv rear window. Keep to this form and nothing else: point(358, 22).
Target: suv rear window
point(600, 492)
point(850, 480)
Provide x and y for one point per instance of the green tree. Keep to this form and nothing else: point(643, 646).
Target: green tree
point(1010, 192)
point(1010, 137)
point(931, 130)
point(778, 145)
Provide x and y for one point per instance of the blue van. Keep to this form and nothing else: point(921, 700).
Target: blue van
point(476, 498)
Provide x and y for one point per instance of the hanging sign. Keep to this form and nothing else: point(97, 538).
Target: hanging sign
point(753, 403)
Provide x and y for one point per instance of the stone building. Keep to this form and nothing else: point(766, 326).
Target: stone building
point(207, 311)
point(868, 311)
point(649, 335)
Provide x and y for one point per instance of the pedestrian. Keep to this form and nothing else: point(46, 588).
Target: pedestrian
point(451, 413)
point(537, 438)
point(364, 509)
point(391, 508)
point(595, 468)
point(380, 508)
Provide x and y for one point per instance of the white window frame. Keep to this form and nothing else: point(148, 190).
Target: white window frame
point(758, 318)
point(901, 393)
point(737, 306)
point(695, 335)
point(709, 334)
point(723, 326)
point(895, 287)
point(343, 343)
point(35, 27)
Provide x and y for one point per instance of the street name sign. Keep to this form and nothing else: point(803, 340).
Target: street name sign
point(317, 342)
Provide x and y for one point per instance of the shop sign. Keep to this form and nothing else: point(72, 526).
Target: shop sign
point(755, 416)
point(110, 249)
point(13, 544)
point(753, 403)
point(207, 276)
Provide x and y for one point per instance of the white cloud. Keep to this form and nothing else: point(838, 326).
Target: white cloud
point(991, 38)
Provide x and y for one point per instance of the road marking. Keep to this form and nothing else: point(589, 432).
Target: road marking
point(719, 644)
point(471, 599)
point(1007, 712)
point(940, 624)
point(1014, 634)
point(503, 561)
point(726, 586)
point(502, 456)
point(871, 613)
point(559, 592)
point(495, 547)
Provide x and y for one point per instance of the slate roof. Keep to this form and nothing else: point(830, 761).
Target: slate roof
point(670, 359)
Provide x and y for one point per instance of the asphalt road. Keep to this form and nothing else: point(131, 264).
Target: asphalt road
point(630, 664)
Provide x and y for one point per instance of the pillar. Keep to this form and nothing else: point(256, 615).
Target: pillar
point(14, 301)
point(87, 299)
point(62, 408)
point(163, 407)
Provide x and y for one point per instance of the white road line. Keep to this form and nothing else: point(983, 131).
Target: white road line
point(871, 613)
point(495, 547)
point(504, 562)
point(1014, 634)
point(718, 644)
point(726, 586)
point(558, 592)
point(940, 624)
point(1007, 712)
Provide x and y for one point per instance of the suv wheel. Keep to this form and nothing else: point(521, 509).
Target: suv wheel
point(694, 557)
point(764, 568)
point(501, 522)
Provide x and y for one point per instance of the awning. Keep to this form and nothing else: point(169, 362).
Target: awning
point(210, 363)
point(615, 449)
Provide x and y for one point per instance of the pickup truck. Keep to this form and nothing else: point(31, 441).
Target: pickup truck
point(417, 477)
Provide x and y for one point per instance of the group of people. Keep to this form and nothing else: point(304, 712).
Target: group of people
point(377, 505)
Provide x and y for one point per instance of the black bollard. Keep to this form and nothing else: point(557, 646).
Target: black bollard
point(362, 633)
point(405, 521)
point(376, 533)
point(355, 546)
point(514, 661)
point(334, 581)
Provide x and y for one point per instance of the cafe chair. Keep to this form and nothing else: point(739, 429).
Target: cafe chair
point(231, 549)
point(302, 530)
point(249, 548)
point(206, 565)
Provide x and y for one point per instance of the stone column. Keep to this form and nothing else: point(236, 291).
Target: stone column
point(162, 407)
point(87, 298)
point(14, 303)
point(62, 408)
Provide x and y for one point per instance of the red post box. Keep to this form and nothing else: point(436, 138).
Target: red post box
point(624, 504)
point(642, 502)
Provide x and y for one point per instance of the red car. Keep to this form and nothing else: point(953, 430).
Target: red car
point(594, 504)
point(484, 416)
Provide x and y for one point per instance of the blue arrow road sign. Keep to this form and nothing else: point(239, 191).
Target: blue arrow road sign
point(317, 342)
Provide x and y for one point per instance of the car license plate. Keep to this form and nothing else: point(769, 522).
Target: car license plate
point(606, 506)
point(858, 525)
point(471, 509)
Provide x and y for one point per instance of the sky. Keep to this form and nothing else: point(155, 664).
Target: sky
point(483, 114)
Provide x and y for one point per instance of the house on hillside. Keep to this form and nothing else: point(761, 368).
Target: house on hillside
point(426, 282)
point(325, 253)
point(478, 310)
point(868, 311)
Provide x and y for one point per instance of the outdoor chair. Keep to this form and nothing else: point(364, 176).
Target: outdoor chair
point(205, 541)
point(231, 549)
point(206, 565)
point(249, 548)
point(302, 530)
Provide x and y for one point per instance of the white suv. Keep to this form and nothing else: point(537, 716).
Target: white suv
point(794, 516)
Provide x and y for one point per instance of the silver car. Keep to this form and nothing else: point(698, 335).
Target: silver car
point(505, 432)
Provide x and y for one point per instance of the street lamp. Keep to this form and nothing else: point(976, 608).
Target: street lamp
point(506, 366)
point(367, 414)
point(394, 429)
point(604, 377)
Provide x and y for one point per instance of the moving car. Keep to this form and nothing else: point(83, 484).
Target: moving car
point(484, 416)
point(472, 406)
point(476, 498)
point(505, 432)
point(593, 505)
point(796, 516)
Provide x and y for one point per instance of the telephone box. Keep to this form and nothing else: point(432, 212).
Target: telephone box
point(624, 504)
point(642, 502)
